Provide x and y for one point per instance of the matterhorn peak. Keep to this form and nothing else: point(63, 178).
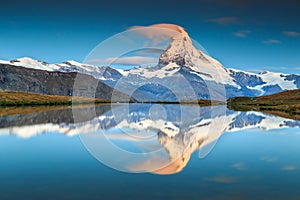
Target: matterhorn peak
point(182, 52)
point(179, 49)
point(182, 32)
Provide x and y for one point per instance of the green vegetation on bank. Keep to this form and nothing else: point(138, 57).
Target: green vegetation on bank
point(287, 102)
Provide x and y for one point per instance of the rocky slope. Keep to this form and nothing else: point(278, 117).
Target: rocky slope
point(15, 78)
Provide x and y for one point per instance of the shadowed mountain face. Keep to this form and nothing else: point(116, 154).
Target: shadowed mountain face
point(166, 134)
point(22, 79)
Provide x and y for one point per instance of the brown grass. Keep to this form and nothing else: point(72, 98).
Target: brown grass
point(10, 98)
point(14, 110)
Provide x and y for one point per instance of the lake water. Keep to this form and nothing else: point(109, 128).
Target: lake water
point(148, 151)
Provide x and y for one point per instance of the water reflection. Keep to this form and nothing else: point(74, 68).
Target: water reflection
point(143, 137)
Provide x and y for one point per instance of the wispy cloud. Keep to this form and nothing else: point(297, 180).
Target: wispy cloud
point(291, 33)
point(150, 51)
point(173, 27)
point(239, 166)
point(157, 32)
point(242, 33)
point(223, 179)
point(269, 159)
point(224, 20)
point(132, 60)
point(128, 60)
point(289, 168)
point(276, 68)
point(270, 42)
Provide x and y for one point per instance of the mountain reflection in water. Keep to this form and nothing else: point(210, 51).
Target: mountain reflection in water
point(164, 136)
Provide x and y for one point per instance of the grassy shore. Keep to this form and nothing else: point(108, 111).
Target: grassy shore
point(201, 102)
point(9, 98)
point(20, 110)
point(284, 103)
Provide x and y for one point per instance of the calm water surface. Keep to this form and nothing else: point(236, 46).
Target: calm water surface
point(154, 152)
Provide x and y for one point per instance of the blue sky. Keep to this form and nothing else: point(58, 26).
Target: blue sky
point(244, 34)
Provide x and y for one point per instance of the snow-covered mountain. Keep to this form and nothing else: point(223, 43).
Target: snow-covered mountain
point(102, 73)
point(265, 82)
point(182, 53)
point(180, 66)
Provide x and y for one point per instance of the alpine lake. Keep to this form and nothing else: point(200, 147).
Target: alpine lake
point(147, 151)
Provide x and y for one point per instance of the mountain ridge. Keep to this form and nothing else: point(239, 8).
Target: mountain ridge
point(180, 63)
point(21, 79)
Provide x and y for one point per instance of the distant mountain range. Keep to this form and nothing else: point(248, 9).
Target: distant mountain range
point(180, 66)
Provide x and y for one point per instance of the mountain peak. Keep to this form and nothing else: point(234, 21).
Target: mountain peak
point(182, 52)
point(264, 72)
point(27, 60)
point(33, 64)
point(179, 50)
point(73, 62)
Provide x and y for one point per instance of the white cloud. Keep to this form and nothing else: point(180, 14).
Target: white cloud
point(132, 60)
point(269, 159)
point(239, 166)
point(289, 168)
point(269, 42)
point(242, 33)
point(291, 33)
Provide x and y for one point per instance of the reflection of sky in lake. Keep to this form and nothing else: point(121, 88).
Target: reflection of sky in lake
point(244, 164)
